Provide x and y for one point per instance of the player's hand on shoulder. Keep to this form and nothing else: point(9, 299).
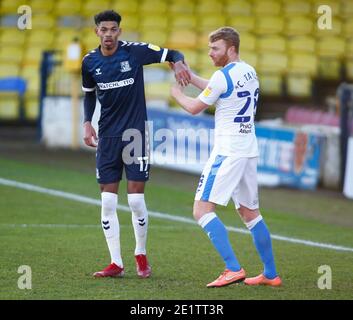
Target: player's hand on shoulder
point(182, 73)
point(89, 135)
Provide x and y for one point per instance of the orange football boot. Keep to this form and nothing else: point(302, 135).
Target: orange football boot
point(228, 277)
point(262, 280)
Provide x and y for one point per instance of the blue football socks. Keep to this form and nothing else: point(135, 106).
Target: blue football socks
point(262, 240)
point(218, 235)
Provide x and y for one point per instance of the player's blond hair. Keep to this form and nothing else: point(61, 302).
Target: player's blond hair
point(228, 34)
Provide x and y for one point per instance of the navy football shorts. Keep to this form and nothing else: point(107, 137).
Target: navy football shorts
point(114, 155)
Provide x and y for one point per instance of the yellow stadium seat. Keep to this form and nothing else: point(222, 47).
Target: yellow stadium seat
point(331, 47)
point(40, 6)
point(301, 44)
point(336, 29)
point(303, 63)
point(44, 38)
point(247, 41)
point(13, 37)
point(203, 60)
point(31, 108)
point(157, 37)
point(330, 68)
point(67, 7)
point(299, 25)
point(182, 39)
point(297, 7)
point(183, 21)
point(209, 6)
point(9, 70)
point(153, 7)
point(10, 7)
point(299, 86)
point(33, 55)
point(131, 36)
point(266, 7)
point(272, 62)
point(347, 9)
point(348, 28)
point(125, 8)
point(271, 43)
point(207, 71)
point(59, 82)
point(191, 58)
point(349, 50)
point(269, 25)
point(9, 106)
point(11, 54)
point(202, 39)
point(210, 22)
point(249, 57)
point(237, 7)
point(270, 84)
point(242, 23)
point(41, 21)
point(33, 87)
point(130, 23)
point(64, 36)
point(92, 7)
point(181, 7)
point(158, 90)
point(349, 69)
point(89, 41)
point(153, 22)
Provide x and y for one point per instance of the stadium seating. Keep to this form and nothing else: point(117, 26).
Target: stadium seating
point(237, 7)
point(280, 38)
point(297, 7)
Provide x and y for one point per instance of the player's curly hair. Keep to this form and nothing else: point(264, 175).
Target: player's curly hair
point(107, 15)
point(228, 34)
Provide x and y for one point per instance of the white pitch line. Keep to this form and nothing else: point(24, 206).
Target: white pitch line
point(160, 215)
point(80, 226)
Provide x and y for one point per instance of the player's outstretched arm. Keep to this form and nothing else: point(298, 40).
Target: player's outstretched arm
point(195, 80)
point(198, 81)
point(181, 70)
point(191, 105)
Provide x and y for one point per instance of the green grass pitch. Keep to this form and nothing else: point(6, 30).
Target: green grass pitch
point(63, 243)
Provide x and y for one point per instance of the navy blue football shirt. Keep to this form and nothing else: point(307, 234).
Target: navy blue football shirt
point(119, 82)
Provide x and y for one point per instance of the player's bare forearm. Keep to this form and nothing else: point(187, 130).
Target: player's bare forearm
point(198, 82)
point(191, 105)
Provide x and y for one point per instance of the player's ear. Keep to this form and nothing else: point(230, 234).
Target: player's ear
point(231, 50)
point(119, 31)
point(96, 30)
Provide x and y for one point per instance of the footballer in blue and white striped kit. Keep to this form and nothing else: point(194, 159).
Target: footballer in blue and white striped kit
point(231, 171)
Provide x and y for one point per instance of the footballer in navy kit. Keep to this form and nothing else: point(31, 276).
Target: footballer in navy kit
point(113, 72)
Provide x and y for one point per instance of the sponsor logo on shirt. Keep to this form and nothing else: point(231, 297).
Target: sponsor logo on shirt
point(115, 84)
point(207, 91)
point(154, 47)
